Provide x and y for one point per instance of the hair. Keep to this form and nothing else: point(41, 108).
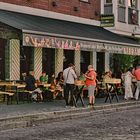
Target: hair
point(43, 72)
point(59, 74)
point(130, 69)
point(70, 64)
point(31, 72)
point(90, 66)
point(138, 66)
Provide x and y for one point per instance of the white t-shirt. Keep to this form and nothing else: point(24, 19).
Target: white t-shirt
point(69, 75)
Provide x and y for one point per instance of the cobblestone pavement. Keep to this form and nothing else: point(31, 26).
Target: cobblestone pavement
point(123, 125)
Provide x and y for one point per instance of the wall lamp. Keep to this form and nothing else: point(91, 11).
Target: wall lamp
point(54, 3)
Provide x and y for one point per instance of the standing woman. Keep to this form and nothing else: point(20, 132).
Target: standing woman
point(91, 84)
point(128, 84)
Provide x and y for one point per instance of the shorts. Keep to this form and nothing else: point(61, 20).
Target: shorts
point(91, 90)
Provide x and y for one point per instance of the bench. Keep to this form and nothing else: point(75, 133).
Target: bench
point(8, 94)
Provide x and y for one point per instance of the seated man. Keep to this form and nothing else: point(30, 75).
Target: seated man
point(31, 85)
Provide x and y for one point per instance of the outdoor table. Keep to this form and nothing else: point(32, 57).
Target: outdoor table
point(46, 85)
point(112, 90)
point(13, 87)
point(48, 92)
point(78, 92)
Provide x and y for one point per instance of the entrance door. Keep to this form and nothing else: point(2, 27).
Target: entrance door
point(2, 59)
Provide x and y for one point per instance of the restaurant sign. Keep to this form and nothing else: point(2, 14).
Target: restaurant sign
point(73, 44)
point(50, 42)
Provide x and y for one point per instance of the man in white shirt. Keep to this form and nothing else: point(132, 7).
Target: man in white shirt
point(69, 78)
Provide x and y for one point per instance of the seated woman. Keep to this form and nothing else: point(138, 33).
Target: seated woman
point(59, 84)
point(43, 78)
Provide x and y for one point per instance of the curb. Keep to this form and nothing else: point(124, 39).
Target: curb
point(35, 119)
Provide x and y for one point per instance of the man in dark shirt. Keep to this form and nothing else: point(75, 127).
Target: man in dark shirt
point(31, 85)
point(30, 81)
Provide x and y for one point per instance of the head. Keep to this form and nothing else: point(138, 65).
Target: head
point(130, 69)
point(138, 66)
point(60, 74)
point(31, 73)
point(43, 73)
point(71, 65)
point(90, 67)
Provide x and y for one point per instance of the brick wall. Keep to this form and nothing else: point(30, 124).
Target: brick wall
point(70, 7)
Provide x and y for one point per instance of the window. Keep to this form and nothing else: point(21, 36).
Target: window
point(132, 12)
point(132, 16)
point(132, 3)
point(121, 10)
point(121, 2)
point(108, 8)
point(121, 13)
point(108, 1)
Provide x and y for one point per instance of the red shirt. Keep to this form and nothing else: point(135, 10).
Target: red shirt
point(90, 82)
point(137, 74)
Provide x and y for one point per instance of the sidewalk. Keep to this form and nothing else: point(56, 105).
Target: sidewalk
point(28, 114)
point(48, 106)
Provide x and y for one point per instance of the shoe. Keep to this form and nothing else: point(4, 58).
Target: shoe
point(67, 106)
point(89, 105)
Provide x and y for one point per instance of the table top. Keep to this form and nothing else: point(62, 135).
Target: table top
point(18, 85)
point(44, 84)
point(112, 81)
point(79, 84)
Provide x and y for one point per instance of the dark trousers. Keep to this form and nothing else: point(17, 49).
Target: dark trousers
point(68, 94)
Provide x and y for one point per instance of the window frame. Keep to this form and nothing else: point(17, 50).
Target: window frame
point(85, 1)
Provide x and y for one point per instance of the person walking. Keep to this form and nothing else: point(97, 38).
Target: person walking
point(137, 75)
point(69, 76)
point(91, 84)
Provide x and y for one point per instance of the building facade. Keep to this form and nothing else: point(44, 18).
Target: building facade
point(126, 16)
point(47, 35)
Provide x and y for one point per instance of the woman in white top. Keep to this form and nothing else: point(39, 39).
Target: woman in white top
point(128, 85)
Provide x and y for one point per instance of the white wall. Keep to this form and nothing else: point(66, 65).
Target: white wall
point(120, 27)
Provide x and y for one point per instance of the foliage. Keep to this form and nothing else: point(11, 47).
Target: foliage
point(126, 61)
point(121, 62)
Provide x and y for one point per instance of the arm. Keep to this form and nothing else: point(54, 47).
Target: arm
point(74, 74)
point(90, 76)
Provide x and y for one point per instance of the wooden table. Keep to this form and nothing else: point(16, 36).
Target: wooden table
point(78, 93)
point(44, 85)
point(112, 91)
point(12, 87)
